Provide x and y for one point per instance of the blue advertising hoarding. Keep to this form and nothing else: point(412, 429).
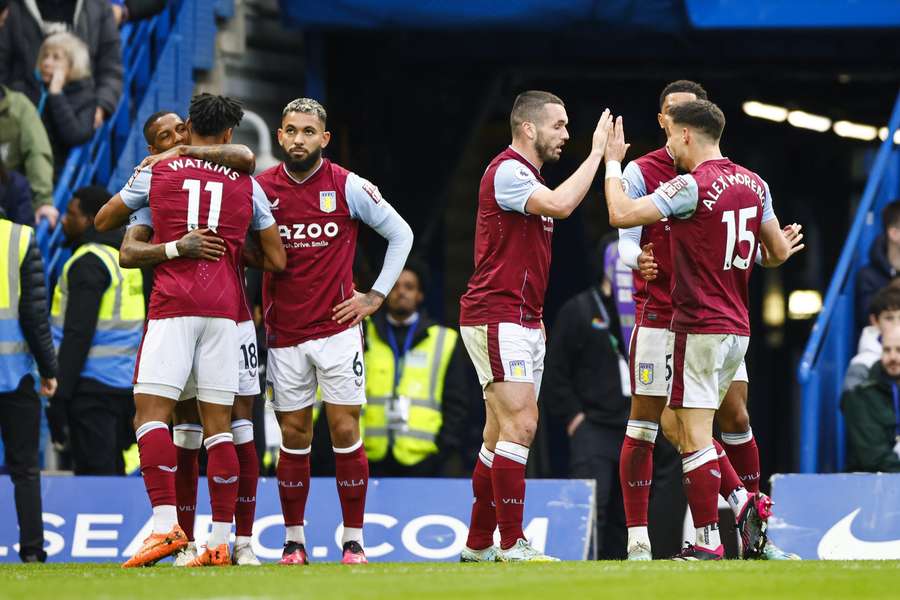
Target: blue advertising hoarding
point(837, 517)
point(105, 519)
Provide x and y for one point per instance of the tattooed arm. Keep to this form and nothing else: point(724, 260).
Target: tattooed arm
point(236, 156)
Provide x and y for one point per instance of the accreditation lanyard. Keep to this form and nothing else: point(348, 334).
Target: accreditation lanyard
point(400, 357)
point(896, 394)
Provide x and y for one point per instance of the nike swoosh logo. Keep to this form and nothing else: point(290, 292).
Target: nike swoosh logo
point(168, 469)
point(839, 543)
point(218, 479)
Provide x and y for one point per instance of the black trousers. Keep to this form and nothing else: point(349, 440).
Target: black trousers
point(594, 454)
point(20, 421)
point(100, 428)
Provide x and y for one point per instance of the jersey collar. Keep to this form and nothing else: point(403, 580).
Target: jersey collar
point(520, 155)
point(308, 177)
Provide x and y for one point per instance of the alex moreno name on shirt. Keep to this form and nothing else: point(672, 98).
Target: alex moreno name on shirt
point(181, 163)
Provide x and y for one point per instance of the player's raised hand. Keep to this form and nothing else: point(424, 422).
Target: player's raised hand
point(647, 263)
point(616, 146)
point(601, 133)
point(353, 310)
point(794, 237)
point(201, 243)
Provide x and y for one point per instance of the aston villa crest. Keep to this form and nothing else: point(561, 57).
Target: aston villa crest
point(645, 373)
point(327, 201)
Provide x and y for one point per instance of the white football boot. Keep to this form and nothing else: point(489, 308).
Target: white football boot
point(186, 555)
point(489, 554)
point(639, 551)
point(524, 552)
point(243, 556)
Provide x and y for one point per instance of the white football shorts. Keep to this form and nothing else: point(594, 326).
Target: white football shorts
point(334, 364)
point(178, 348)
point(704, 365)
point(741, 374)
point(248, 364)
point(505, 352)
point(650, 361)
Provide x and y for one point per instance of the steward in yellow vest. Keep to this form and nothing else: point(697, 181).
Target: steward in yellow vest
point(97, 319)
point(24, 340)
point(418, 398)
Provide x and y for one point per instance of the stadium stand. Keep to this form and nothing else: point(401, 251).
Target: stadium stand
point(833, 339)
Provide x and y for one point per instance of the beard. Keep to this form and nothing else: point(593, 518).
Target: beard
point(679, 168)
point(545, 149)
point(304, 164)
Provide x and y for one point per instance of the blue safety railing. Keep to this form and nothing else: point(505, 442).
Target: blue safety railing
point(159, 56)
point(833, 340)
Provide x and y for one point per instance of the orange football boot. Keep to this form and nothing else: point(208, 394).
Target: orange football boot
point(156, 547)
point(213, 557)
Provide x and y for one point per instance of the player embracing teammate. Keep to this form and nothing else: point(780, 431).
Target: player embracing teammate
point(718, 213)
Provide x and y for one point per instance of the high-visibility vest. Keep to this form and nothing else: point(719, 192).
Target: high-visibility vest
point(120, 323)
point(16, 361)
point(422, 382)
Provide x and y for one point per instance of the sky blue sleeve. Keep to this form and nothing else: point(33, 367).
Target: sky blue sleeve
point(367, 205)
point(262, 211)
point(136, 193)
point(142, 216)
point(768, 209)
point(633, 181)
point(514, 183)
point(677, 197)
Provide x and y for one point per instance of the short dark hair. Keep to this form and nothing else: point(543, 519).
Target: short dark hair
point(887, 298)
point(702, 115)
point(212, 115)
point(529, 106)
point(92, 198)
point(420, 269)
point(890, 215)
point(148, 124)
point(684, 86)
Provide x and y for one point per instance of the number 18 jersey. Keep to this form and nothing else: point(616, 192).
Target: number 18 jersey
point(186, 194)
point(717, 210)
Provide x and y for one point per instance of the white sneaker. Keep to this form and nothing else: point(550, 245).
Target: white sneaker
point(640, 551)
point(243, 556)
point(523, 552)
point(186, 555)
point(489, 554)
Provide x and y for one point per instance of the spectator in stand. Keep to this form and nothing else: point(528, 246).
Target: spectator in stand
point(884, 313)
point(97, 318)
point(884, 262)
point(68, 99)
point(25, 147)
point(30, 21)
point(135, 10)
point(872, 413)
point(15, 197)
point(4, 12)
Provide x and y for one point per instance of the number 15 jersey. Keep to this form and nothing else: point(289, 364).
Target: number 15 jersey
point(718, 209)
point(186, 194)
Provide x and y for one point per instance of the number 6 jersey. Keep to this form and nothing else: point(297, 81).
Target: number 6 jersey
point(718, 209)
point(186, 194)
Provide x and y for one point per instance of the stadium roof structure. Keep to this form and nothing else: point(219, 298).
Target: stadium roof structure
point(653, 15)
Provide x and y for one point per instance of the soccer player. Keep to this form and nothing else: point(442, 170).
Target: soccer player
point(501, 313)
point(720, 211)
point(168, 137)
point(192, 330)
point(647, 247)
point(313, 314)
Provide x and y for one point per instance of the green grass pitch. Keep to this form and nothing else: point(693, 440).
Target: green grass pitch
point(664, 580)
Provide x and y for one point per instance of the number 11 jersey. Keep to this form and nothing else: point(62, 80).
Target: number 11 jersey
point(186, 194)
point(718, 209)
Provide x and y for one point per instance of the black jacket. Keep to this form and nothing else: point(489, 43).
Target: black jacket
point(457, 392)
point(95, 24)
point(871, 424)
point(33, 311)
point(88, 280)
point(581, 371)
point(871, 278)
point(69, 118)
